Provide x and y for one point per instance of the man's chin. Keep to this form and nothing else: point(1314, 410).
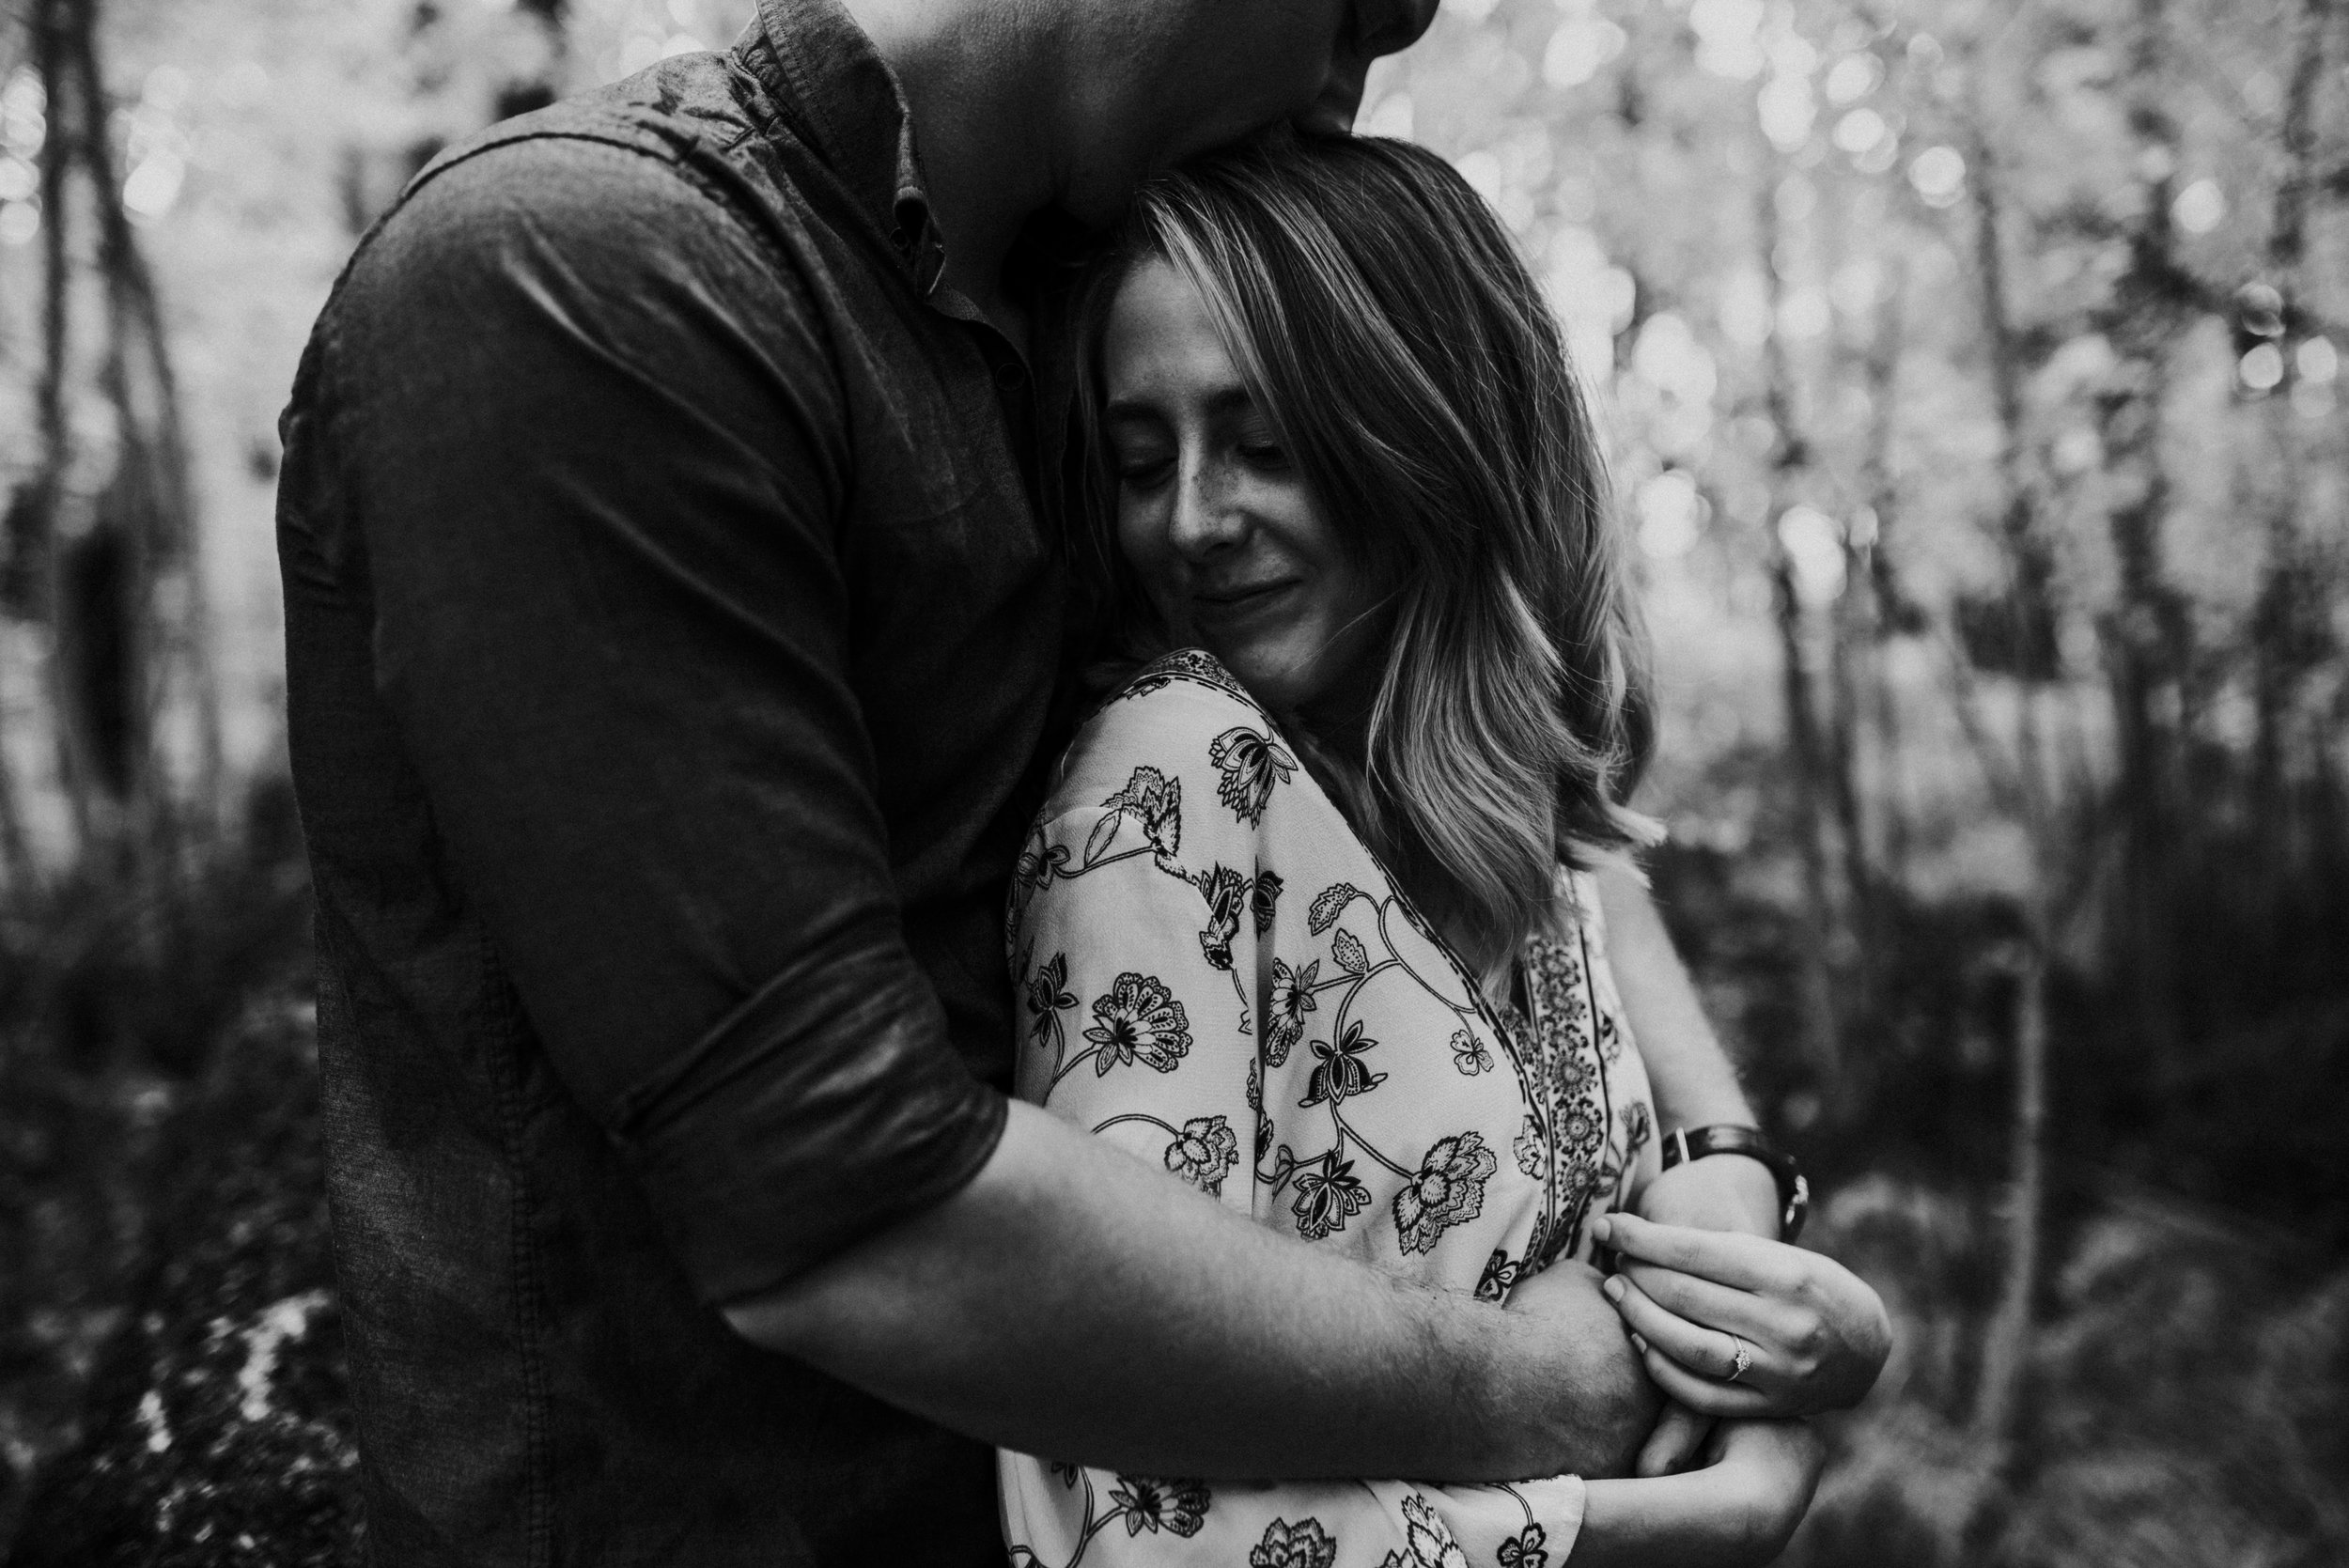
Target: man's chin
point(1096, 207)
point(1059, 235)
point(1075, 220)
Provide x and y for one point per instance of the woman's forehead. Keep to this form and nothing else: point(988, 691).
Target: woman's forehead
point(1162, 340)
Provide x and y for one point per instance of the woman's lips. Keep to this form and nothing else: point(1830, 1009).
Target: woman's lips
point(1232, 604)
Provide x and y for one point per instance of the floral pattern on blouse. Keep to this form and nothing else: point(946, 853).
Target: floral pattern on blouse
point(1214, 971)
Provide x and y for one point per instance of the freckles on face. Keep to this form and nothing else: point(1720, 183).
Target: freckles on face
point(1213, 514)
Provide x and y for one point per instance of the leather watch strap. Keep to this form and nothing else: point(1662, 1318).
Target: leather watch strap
point(1730, 1138)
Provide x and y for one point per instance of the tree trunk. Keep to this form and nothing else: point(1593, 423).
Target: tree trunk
point(17, 870)
point(2007, 1347)
point(2288, 630)
point(1806, 749)
point(51, 25)
point(172, 648)
point(2031, 659)
point(124, 652)
point(1866, 716)
point(2006, 1352)
point(1890, 613)
point(2149, 634)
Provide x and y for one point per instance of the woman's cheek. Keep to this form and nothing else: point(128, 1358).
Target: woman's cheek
point(1143, 547)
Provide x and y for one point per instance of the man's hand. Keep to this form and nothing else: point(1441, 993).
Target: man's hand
point(1615, 1406)
point(1814, 1334)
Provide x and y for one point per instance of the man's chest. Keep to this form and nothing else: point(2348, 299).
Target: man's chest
point(954, 580)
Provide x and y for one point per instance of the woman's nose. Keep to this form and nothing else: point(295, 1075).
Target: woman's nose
point(1206, 517)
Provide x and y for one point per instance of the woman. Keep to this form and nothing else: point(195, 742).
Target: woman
point(1309, 919)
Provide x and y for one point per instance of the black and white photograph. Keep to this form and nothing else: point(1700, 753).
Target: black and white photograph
point(1174, 783)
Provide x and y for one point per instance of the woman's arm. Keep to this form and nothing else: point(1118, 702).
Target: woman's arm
point(1689, 1073)
point(1695, 1086)
point(1824, 1333)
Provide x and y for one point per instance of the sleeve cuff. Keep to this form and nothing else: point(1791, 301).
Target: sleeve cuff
point(822, 1111)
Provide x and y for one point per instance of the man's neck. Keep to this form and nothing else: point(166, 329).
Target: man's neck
point(980, 80)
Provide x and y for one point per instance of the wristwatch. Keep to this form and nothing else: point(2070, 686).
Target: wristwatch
point(1793, 1192)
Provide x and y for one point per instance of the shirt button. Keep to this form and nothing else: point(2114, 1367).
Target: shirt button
point(1011, 376)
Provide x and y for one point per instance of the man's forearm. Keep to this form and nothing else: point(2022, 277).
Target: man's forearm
point(1073, 1303)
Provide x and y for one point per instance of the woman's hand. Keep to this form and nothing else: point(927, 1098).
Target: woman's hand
point(1762, 1474)
point(1736, 1512)
point(1676, 1442)
point(1813, 1335)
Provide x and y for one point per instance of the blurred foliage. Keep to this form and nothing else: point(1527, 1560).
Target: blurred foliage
point(215, 1425)
point(1974, 376)
point(2186, 1393)
point(1972, 373)
point(151, 1092)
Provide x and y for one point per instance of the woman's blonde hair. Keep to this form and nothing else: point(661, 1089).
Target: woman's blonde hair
point(1385, 324)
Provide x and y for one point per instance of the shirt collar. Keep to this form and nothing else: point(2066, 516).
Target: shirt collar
point(815, 62)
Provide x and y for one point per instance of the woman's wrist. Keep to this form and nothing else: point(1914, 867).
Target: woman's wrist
point(1720, 1194)
point(1638, 1523)
point(1737, 1510)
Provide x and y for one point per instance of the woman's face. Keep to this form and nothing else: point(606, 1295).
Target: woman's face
point(1212, 513)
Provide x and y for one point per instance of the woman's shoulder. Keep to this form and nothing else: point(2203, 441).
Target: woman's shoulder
point(1189, 681)
point(1181, 713)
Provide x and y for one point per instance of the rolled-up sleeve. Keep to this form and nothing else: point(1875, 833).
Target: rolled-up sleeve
point(598, 446)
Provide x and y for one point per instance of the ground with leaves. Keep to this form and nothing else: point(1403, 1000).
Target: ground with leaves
point(215, 1426)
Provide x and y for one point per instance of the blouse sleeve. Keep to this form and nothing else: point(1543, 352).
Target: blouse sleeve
point(1137, 908)
point(1140, 913)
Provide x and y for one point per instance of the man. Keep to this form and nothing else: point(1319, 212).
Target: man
point(670, 534)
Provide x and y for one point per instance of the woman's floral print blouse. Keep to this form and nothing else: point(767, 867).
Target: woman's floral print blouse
point(1215, 972)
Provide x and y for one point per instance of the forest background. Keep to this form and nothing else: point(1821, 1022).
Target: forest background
point(1973, 377)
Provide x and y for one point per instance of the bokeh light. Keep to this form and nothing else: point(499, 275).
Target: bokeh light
point(2260, 368)
point(2199, 208)
point(1672, 514)
point(1728, 41)
point(2317, 361)
point(1939, 174)
point(1814, 544)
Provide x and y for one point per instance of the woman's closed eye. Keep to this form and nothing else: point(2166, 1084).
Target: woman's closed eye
point(1140, 452)
point(1270, 456)
point(1143, 471)
point(1141, 448)
point(1255, 443)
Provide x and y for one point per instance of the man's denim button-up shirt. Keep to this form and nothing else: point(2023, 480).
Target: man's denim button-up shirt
point(671, 633)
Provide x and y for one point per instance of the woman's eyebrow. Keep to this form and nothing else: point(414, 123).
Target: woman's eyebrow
point(1228, 400)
